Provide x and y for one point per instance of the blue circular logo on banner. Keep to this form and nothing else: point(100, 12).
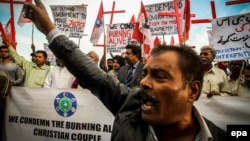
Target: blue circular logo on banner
point(65, 104)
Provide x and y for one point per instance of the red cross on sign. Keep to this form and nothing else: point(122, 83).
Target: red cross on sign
point(112, 12)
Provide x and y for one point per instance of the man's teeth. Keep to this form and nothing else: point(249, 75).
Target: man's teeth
point(148, 105)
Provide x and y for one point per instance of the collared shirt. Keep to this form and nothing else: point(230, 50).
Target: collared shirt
point(244, 91)
point(233, 84)
point(34, 76)
point(59, 77)
point(215, 79)
point(203, 135)
point(135, 66)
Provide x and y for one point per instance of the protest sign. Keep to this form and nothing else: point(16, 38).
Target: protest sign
point(50, 56)
point(55, 115)
point(231, 37)
point(70, 19)
point(163, 25)
point(118, 36)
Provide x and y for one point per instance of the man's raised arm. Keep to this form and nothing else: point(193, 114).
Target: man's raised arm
point(79, 64)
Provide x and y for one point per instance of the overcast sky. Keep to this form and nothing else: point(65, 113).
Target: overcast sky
point(198, 34)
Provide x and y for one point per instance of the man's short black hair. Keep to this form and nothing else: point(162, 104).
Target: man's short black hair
point(43, 52)
point(189, 62)
point(136, 50)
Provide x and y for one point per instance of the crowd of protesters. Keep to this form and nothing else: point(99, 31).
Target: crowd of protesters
point(226, 78)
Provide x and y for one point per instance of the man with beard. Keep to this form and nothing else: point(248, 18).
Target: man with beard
point(14, 72)
point(215, 80)
point(130, 74)
point(244, 90)
point(161, 109)
point(234, 79)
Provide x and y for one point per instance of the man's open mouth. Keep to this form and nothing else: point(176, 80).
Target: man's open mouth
point(148, 101)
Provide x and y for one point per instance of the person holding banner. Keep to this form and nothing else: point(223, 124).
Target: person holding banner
point(14, 72)
point(224, 66)
point(161, 109)
point(235, 78)
point(244, 89)
point(59, 77)
point(215, 80)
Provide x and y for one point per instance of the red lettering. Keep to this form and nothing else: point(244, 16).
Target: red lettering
point(76, 24)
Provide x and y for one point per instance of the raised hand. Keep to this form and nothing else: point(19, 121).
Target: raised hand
point(212, 93)
point(7, 42)
point(33, 48)
point(38, 14)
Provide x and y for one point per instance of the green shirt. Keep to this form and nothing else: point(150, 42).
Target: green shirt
point(34, 76)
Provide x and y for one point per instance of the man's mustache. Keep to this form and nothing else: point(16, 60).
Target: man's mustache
point(204, 59)
point(144, 95)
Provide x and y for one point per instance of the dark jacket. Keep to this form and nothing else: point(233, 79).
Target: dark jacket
point(123, 102)
point(123, 71)
point(5, 87)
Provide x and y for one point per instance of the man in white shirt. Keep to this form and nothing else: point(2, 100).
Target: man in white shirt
point(59, 77)
point(244, 89)
point(215, 81)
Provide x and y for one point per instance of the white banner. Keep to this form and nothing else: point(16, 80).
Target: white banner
point(56, 115)
point(35, 114)
point(163, 25)
point(70, 19)
point(231, 37)
point(225, 110)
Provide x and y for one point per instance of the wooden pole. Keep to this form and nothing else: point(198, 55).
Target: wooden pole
point(79, 41)
point(232, 2)
point(32, 34)
point(142, 51)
